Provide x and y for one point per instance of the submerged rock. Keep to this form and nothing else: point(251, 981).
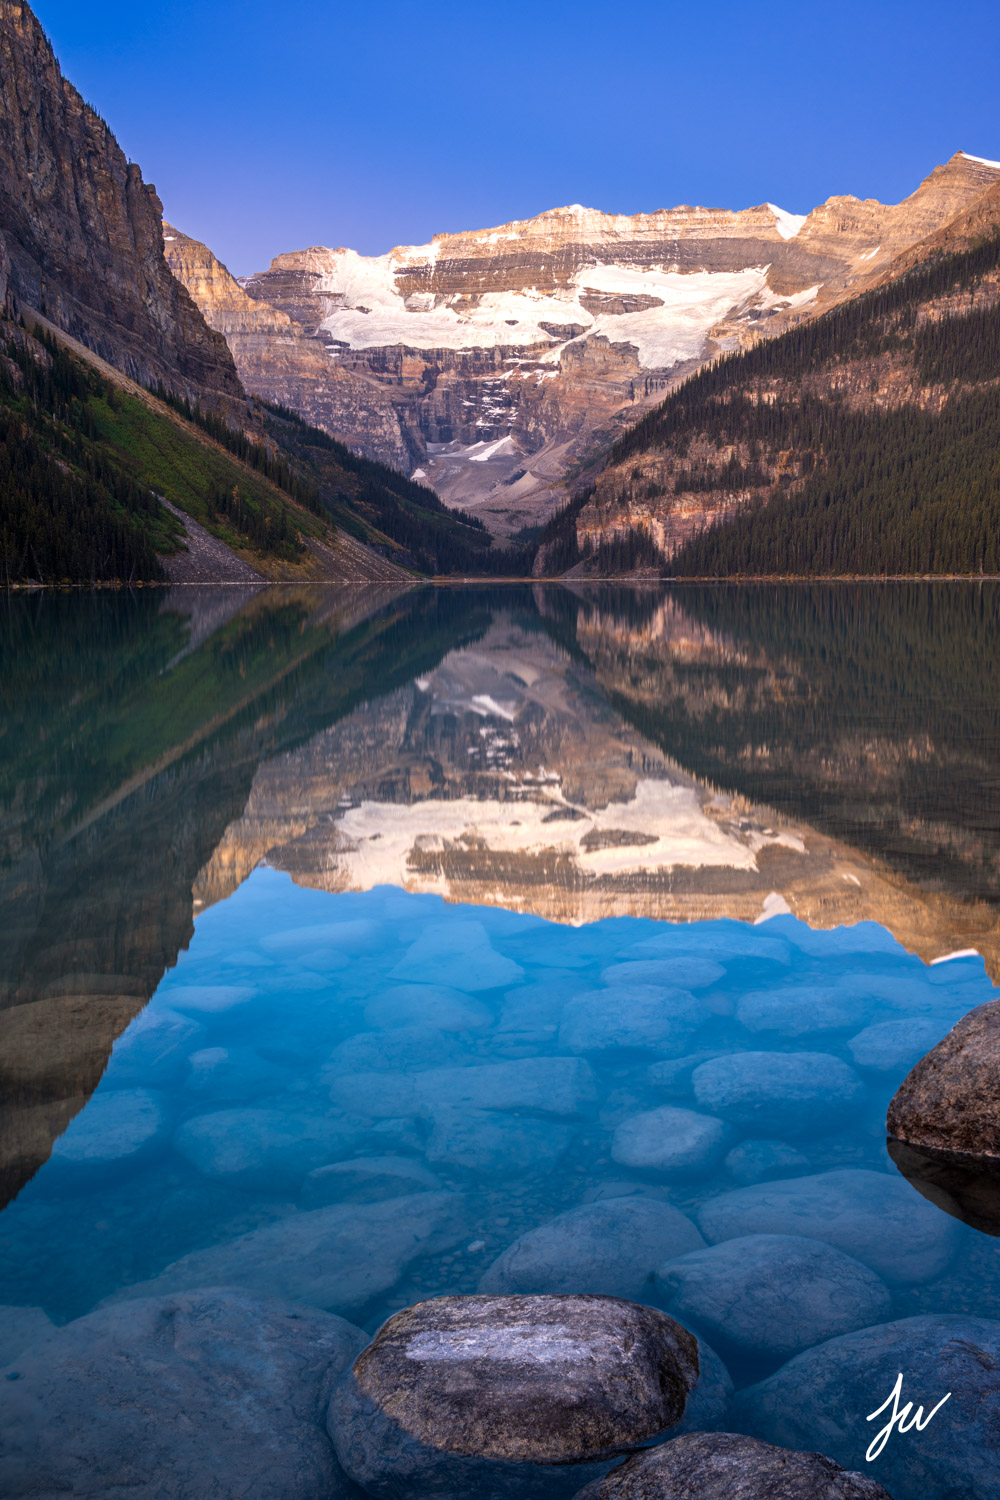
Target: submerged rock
point(799, 1010)
point(338, 1258)
point(269, 1149)
point(208, 1393)
point(760, 1160)
point(647, 1018)
point(771, 1294)
point(367, 1179)
point(669, 1141)
point(508, 1396)
point(870, 1215)
point(430, 1005)
point(483, 1140)
point(894, 1046)
point(611, 1248)
point(458, 954)
point(116, 1128)
point(725, 1466)
point(20, 1328)
point(828, 1392)
point(788, 1093)
point(684, 971)
point(153, 1051)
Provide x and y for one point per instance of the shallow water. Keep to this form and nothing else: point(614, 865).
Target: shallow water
point(417, 922)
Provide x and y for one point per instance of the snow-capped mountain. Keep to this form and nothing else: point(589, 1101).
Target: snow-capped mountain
point(489, 362)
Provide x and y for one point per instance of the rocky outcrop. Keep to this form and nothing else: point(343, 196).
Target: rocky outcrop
point(277, 359)
point(82, 228)
point(508, 1396)
point(944, 1121)
point(725, 1466)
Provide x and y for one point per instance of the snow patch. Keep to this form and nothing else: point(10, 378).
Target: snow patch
point(983, 161)
point(504, 446)
point(373, 312)
point(419, 474)
point(787, 225)
point(946, 958)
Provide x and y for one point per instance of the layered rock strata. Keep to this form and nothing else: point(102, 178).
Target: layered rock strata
point(508, 355)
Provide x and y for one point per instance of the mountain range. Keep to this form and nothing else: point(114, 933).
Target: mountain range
point(672, 392)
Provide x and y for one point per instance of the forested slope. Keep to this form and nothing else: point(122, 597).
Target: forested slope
point(864, 442)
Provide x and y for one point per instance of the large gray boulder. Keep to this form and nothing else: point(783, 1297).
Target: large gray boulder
point(612, 1247)
point(944, 1121)
point(508, 1396)
point(338, 1258)
point(950, 1101)
point(825, 1395)
point(778, 1093)
point(771, 1295)
point(726, 1466)
point(876, 1218)
point(209, 1393)
point(670, 1142)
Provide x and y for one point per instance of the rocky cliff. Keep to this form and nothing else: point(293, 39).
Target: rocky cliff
point(277, 359)
point(82, 228)
point(510, 355)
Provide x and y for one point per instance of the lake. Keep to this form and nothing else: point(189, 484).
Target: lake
point(361, 946)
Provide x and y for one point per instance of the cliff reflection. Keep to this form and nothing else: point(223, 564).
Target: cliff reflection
point(683, 754)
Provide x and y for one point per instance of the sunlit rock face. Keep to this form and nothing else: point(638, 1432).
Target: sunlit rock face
point(82, 228)
point(505, 353)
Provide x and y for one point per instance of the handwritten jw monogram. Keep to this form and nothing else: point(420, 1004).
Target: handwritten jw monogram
point(900, 1418)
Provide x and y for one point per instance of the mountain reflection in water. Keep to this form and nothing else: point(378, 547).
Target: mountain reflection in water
point(686, 754)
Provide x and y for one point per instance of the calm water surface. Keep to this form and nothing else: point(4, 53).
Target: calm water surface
point(349, 938)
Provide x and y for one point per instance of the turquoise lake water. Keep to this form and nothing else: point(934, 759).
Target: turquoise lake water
point(362, 951)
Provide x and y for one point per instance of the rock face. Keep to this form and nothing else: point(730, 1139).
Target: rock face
point(497, 1396)
point(497, 354)
point(724, 1466)
point(212, 1393)
point(82, 229)
point(275, 358)
point(832, 1389)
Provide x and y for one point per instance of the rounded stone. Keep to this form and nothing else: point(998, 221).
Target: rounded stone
point(648, 1018)
point(894, 1046)
point(771, 1295)
point(507, 1396)
point(760, 1160)
point(728, 1466)
point(670, 1142)
point(268, 1149)
point(115, 1128)
point(611, 1247)
point(207, 1393)
point(874, 1217)
point(434, 1006)
point(800, 1010)
point(826, 1394)
point(366, 1179)
point(950, 1101)
point(788, 1093)
point(685, 971)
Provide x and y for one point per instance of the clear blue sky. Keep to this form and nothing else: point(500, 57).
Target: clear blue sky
point(269, 127)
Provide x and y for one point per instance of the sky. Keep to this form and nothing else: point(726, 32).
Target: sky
point(271, 127)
